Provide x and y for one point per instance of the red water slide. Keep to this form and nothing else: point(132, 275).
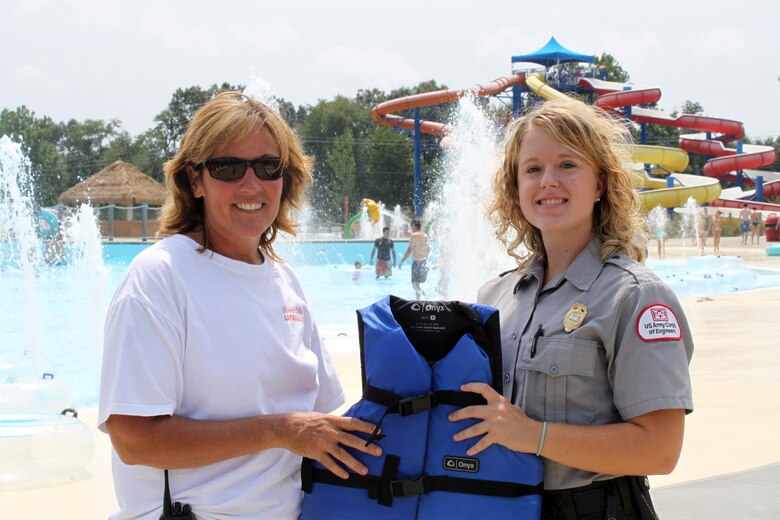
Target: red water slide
point(382, 112)
point(727, 160)
point(774, 186)
point(611, 96)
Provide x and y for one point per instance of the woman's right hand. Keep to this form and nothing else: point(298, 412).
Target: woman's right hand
point(322, 437)
point(501, 422)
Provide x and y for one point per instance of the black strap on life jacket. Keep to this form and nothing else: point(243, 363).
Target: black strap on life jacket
point(387, 487)
point(405, 406)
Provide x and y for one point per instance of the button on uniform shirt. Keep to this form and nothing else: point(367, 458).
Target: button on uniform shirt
point(626, 357)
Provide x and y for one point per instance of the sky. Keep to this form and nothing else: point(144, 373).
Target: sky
point(105, 59)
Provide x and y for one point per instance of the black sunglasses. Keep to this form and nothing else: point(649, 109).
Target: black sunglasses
point(231, 168)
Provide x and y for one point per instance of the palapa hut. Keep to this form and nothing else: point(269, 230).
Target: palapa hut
point(119, 183)
point(123, 185)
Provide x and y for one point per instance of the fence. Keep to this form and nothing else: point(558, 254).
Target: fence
point(125, 222)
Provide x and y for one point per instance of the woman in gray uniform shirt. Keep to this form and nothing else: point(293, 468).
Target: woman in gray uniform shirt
point(596, 348)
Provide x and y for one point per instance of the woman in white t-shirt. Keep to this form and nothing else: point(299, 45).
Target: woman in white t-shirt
point(213, 367)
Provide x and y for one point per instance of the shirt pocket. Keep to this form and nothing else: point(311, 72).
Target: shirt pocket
point(560, 380)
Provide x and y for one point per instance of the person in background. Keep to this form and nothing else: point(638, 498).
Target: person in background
point(383, 247)
point(595, 347)
point(717, 230)
point(755, 227)
point(419, 249)
point(660, 238)
point(744, 222)
point(444, 265)
point(702, 229)
point(358, 272)
point(215, 380)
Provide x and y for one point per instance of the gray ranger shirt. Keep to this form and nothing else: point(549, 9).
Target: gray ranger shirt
point(626, 354)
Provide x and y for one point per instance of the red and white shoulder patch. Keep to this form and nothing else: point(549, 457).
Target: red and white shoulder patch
point(657, 322)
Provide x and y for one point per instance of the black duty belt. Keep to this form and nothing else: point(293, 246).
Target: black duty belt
point(617, 499)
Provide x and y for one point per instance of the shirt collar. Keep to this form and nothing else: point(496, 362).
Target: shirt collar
point(587, 266)
point(581, 273)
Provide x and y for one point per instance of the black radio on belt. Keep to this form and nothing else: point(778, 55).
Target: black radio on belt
point(174, 510)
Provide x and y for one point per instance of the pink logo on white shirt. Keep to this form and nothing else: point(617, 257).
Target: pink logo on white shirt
point(293, 313)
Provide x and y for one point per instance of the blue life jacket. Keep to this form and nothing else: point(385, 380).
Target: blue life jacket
point(415, 356)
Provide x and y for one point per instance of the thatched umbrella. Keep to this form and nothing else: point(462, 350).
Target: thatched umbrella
point(119, 183)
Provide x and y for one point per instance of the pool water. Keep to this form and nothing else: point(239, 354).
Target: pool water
point(66, 321)
point(335, 289)
point(708, 275)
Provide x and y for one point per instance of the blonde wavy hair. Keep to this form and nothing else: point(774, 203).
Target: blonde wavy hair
point(232, 117)
point(605, 145)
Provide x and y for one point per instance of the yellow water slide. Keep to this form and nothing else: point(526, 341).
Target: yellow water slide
point(702, 189)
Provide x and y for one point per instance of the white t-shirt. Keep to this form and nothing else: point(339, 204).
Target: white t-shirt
point(208, 337)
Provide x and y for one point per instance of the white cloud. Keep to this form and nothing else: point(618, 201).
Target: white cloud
point(506, 40)
point(344, 68)
point(307, 53)
point(719, 43)
point(30, 75)
point(214, 38)
point(93, 13)
point(273, 37)
point(162, 25)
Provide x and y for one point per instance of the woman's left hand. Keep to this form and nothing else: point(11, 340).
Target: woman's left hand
point(501, 422)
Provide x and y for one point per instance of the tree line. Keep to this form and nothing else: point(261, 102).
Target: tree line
point(355, 157)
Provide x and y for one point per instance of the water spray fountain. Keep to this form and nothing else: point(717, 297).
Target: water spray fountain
point(39, 445)
point(465, 238)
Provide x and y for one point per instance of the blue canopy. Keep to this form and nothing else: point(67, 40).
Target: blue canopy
point(552, 54)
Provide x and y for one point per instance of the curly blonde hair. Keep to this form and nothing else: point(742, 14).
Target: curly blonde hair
point(232, 117)
point(604, 144)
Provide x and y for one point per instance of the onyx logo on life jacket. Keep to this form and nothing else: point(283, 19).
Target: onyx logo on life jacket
point(466, 464)
point(428, 307)
point(427, 312)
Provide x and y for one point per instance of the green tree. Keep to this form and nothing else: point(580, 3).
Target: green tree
point(390, 167)
point(325, 122)
point(38, 137)
point(294, 116)
point(175, 118)
point(341, 159)
point(145, 152)
point(611, 69)
point(83, 144)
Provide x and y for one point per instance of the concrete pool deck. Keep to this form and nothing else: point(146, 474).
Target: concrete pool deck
point(730, 463)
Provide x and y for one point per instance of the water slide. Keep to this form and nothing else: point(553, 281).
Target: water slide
point(727, 161)
point(382, 112)
point(611, 96)
point(702, 189)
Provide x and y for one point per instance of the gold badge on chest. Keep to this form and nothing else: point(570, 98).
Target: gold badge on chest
point(574, 317)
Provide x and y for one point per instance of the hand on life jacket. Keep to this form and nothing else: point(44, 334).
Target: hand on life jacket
point(501, 422)
point(320, 437)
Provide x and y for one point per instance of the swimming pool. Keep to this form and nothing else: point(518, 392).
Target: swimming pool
point(62, 333)
point(334, 287)
point(336, 290)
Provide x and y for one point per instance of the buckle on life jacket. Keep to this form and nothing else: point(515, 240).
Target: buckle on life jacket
point(408, 487)
point(416, 404)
